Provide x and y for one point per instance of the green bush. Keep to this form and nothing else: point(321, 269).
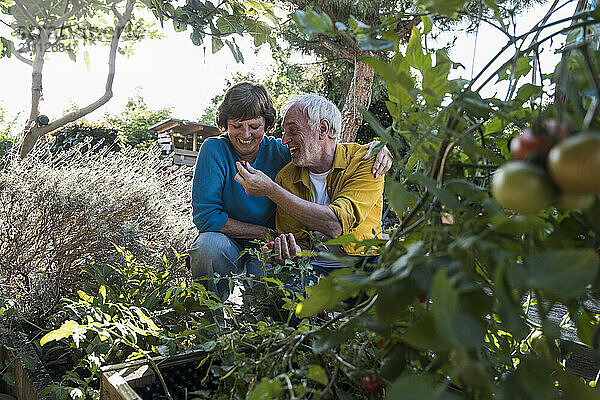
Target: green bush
point(134, 121)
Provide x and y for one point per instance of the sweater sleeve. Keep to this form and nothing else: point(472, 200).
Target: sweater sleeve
point(207, 187)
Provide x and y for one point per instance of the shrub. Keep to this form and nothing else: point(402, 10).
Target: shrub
point(59, 214)
point(96, 136)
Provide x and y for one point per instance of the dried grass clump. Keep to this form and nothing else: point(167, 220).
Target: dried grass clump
point(60, 213)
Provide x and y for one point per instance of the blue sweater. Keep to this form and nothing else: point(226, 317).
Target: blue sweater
point(216, 196)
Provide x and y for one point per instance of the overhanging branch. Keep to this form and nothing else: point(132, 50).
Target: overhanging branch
point(341, 51)
point(35, 132)
point(59, 22)
point(27, 14)
point(20, 57)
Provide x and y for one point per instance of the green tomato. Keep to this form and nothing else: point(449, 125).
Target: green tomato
point(522, 187)
point(574, 164)
point(576, 201)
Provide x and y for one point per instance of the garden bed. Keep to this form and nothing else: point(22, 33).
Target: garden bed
point(24, 365)
point(138, 380)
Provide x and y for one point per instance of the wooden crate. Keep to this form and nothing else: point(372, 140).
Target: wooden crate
point(119, 381)
point(28, 383)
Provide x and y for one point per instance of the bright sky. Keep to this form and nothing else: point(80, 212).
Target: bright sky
point(172, 72)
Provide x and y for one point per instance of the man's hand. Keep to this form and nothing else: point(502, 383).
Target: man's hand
point(254, 181)
point(383, 160)
point(285, 248)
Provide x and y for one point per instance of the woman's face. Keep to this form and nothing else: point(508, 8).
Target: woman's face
point(246, 136)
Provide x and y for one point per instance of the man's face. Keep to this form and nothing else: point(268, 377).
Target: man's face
point(300, 138)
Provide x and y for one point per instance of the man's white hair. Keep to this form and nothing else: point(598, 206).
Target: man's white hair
point(316, 108)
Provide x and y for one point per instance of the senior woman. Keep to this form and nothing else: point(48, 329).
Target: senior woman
point(226, 217)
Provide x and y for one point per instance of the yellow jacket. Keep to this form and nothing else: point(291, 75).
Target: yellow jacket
point(356, 196)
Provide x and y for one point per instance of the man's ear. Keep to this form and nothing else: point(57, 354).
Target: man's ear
point(324, 128)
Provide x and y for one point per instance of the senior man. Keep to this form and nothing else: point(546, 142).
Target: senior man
point(327, 188)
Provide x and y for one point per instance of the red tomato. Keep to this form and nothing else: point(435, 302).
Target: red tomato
point(527, 142)
point(268, 246)
point(372, 384)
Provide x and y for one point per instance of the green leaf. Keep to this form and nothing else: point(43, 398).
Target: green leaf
point(521, 68)
point(317, 373)
point(102, 294)
point(325, 294)
point(398, 196)
point(85, 297)
point(517, 224)
point(86, 58)
point(343, 240)
point(197, 37)
point(394, 298)
point(312, 22)
point(9, 378)
point(67, 329)
point(451, 323)
point(585, 328)
point(574, 387)
point(217, 44)
point(7, 47)
point(448, 8)
point(235, 50)
point(427, 24)
point(329, 339)
point(444, 196)
point(510, 310)
point(422, 387)
point(422, 335)
point(528, 92)
point(266, 390)
point(561, 274)
point(414, 52)
point(371, 43)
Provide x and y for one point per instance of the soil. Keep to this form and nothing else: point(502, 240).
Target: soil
point(184, 381)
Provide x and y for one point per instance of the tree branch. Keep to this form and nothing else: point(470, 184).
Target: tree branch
point(69, 14)
point(341, 51)
point(406, 29)
point(27, 14)
point(20, 57)
point(35, 132)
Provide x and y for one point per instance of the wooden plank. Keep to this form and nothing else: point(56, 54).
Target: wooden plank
point(183, 161)
point(195, 142)
point(29, 384)
point(185, 153)
point(114, 387)
point(119, 380)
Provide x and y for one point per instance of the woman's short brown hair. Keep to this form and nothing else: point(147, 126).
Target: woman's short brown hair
point(246, 100)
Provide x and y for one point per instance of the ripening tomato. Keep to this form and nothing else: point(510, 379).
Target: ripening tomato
point(522, 187)
point(372, 384)
point(268, 246)
point(537, 140)
point(574, 164)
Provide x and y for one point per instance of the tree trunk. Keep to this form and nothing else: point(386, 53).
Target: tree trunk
point(359, 93)
point(33, 130)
